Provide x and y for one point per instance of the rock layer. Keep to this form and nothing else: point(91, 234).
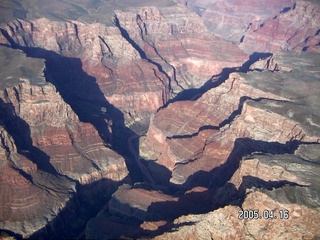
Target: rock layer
point(223, 137)
point(296, 29)
point(274, 183)
point(27, 193)
point(136, 52)
point(230, 19)
point(43, 144)
point(193, 136)
point(224, 223)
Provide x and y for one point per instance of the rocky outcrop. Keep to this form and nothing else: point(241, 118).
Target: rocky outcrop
point(282, 189)
point(194, 136)
point(180, 42)
point(296, 29)
point(43, 144)
point(284, 186)
point(164, 91)
point(127, 209)
point(264, 27)
point(230, 19)
point(132, 61)
point(27, 193)
point(49, 124)
point(141, 210)
point(224, 223)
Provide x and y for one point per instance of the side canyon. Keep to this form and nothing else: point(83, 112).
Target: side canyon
point(160, 119)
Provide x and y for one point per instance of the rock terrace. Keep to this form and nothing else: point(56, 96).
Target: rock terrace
point(159, 120)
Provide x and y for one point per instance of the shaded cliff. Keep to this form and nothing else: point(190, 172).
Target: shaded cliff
point(160, 119)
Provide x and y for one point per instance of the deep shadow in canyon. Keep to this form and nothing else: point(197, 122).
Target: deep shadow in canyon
point(216, 80)
point(142, 54)
point(71, 221)
point(66, 74)
point(228, 120)
point(242, 147)
point(83, 94)
point(85, 204)
point(4, 232)
point(219, 191)
point(87, 101)
point(20, 132)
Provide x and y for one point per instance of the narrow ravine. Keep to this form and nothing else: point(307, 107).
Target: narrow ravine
point(182, 151)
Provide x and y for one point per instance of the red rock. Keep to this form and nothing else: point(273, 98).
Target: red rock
point(41, 141)
point(137, 211)
point(182, 44)
point(230, 19)
point(150, 55)
point(75, 148)
point(191, 137)
point(23, 199)
point(224, 223)
point(250, 177)
point(152, 225)
point(296, 29)
point(174, 52)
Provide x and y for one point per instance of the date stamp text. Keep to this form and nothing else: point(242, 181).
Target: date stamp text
point(251, 214)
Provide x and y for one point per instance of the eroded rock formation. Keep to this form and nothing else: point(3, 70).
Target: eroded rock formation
point(231, 19)
point(160, 120)
point(142, 61)
point(275, 183)
point(43, 144)
point(296, 29)
point(202, 143)
point(224, 223)
point(187, 137)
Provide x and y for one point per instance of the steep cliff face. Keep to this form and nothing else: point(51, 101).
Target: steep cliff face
point(180, 42)
point(150, 122)
point(296, 29)
point(231, 19)
point(27, 192)
point(224, 223)
point(268, 26)
point(48, 123)
point(148, 56)
point(43, 144)
point(273, 186)
point(245, 144)
point(193, 136)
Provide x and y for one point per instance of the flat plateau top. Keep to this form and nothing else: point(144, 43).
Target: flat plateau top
point(301, 86)
point(82, 10)
point(16, 67)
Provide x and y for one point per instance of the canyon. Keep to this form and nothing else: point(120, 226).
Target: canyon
point(160, 119)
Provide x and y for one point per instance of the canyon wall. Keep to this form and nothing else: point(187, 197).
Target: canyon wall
point(148, 56)
point(160, 120)
point(45, 150)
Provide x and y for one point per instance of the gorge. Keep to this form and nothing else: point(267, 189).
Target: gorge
point(159, 119)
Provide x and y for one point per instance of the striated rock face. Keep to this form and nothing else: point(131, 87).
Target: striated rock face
point(296, 29)
point(127, 209)
point(23, 195)
point(27, 191)
point(180, 42)
point(193, 98)
point(268, 26)
point(142, 210)
point(132, 61)
point(231, 19)
point(276, 184)
point(224, 223)
point(192, 136)
point(266, 183)
point(42, 141)
point(74, 148)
